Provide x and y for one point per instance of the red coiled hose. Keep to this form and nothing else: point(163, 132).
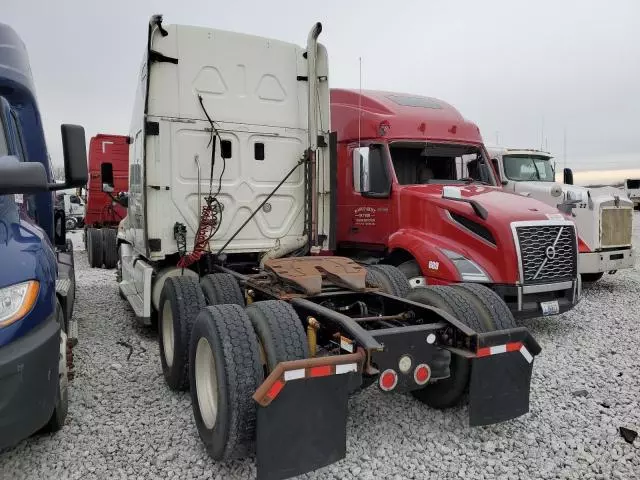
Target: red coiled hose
point(208, 223)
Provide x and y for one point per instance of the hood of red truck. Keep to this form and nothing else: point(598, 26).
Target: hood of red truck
point(502, 206)
point(422, 207)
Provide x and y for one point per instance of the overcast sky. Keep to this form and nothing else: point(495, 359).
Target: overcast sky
point(516, 68)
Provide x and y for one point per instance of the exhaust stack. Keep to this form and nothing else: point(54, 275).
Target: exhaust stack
point(312, 52)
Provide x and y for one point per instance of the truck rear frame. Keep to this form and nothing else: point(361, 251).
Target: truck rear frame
point(359, 335)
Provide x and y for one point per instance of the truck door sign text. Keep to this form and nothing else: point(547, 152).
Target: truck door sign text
point(364, 216)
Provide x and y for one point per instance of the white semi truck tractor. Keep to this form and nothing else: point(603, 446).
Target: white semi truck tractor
point(228, 242)
point(603, 215)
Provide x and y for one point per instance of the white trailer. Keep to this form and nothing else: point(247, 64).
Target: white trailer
point(632, 189)
point(603, 215)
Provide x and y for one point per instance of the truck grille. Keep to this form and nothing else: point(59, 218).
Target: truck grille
point(547, 253)
point(615, 227)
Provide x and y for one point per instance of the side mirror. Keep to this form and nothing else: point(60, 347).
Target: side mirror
point(106, 175)
point(568, 176)
point(74, 149)
point(123, 199)
point(504, 182)
point(22, 177)
point(361, 169)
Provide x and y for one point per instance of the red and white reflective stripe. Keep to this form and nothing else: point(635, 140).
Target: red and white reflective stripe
point(346, 368)
point(311, 372)
point(507, 347)
point(320, 371)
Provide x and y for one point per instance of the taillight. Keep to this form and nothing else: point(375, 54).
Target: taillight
point(422, 374)
point(388, 380)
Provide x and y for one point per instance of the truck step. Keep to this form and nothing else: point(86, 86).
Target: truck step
point(128, 290)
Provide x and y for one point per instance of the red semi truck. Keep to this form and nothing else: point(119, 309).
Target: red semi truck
point(416, 190)
point(108, 175)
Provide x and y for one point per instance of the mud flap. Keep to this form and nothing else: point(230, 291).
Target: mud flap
point(499, 387)
point(304, 428)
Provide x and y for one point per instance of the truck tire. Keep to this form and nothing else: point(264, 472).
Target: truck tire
point(389, 279)
point(70, 223)
point(110, 247)
point(56, 421)
point(450, 391)
point(279, 331)
point(224, 373)
point(94, 247)
point(591, 277)
point(181, 301)
point(221, 288)
point(494, 313)
point(414, 275)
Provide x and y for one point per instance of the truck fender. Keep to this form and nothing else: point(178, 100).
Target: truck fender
point(425, 250)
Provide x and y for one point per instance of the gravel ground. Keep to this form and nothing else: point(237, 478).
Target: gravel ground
point(125, 423)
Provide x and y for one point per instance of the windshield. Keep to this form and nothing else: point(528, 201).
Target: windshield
point(523, 168)
point(634, 184)
point(418, 163)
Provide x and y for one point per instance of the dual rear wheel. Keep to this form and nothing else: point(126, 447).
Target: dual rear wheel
point(102, 247)
point(222, 352)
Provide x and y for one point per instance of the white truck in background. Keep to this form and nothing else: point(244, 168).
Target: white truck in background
point(74, 208)
point(603, 215)
point(632, 189)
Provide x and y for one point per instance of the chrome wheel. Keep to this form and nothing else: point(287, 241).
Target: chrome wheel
point(70, 223)
point(167, 333)
point(416, 282)
point(206, 383)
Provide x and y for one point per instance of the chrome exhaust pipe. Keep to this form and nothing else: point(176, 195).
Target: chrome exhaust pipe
point(312, 53)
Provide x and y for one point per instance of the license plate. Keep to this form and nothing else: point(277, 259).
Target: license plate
point(550, 308)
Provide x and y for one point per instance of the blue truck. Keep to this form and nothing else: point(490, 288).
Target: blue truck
point(37, 281)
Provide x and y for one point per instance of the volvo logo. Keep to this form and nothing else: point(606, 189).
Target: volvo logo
point(550, 252)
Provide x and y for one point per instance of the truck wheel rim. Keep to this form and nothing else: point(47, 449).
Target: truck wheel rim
point(62, 363)
point(206, 383)
point(167, 333)
point(416, 282)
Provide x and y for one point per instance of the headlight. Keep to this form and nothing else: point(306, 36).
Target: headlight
point(16, 301)
point(469, 270)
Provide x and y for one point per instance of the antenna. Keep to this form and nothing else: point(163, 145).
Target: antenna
point(360, 100)
point(564, 147)
point(542, 135)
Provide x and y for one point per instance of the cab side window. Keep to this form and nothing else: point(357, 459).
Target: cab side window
point(378, 177)
point(15, 124)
